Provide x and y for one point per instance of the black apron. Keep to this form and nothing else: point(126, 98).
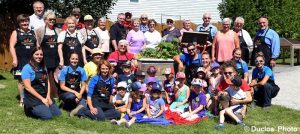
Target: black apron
point(244, 48)
point(191, 70)
point(240, 69)
point(120, 63)
point(49, 47)
point(72, 44)
point(261, 46)
point(72, 80)
point(101, 95)
point(209, 38)
point(40, 85)
point(26, 42)
point(91, 42)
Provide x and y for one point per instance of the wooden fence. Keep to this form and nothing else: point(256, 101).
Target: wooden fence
point(6, 27)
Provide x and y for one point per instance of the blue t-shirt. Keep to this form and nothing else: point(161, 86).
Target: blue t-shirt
point(197, 101)
point(155, 105)
point(28, 72)
point(127, 78)
point(242, 64)
point(68, 69)
point(94, 81)
point(189, 60)
point(260, 75)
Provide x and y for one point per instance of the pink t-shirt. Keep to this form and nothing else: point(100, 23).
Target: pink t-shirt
point(224, 46)
point(136, 41)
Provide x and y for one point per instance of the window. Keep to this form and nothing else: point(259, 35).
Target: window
point(134, 1)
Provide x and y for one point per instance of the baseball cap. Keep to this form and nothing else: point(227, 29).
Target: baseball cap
point(214, 65)
point(197, 82)
point(136, 86)
point(169, 71)
point(236, 81)
point(88, 17)
point(151, 69)
point(128, 14)
point(156, 87)
point(140, 73)
point(150, 79)
point(201, 69)
point(180, 75)
point(122, 84)
point(126, 64)
point(97, 51)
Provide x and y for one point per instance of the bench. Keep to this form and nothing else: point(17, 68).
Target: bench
point(293, 45)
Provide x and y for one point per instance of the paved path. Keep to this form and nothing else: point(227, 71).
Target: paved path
point(288, 79)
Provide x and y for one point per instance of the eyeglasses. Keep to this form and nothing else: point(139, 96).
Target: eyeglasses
point(122, 45)
point(259, 61)
point(228, 73)
point(207, 18)
point(191, 49)
point(144, 18)
point(170, 21)
point(52, 20)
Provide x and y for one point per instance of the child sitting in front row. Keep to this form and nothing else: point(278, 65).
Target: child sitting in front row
point(121, 98)
point(155, 104)
point(135, 108)
point(168, 85)
point(233, 91)
point(197, 102)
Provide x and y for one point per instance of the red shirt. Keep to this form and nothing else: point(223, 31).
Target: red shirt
point(126, 56)
point(223, 85)
point(79, 26)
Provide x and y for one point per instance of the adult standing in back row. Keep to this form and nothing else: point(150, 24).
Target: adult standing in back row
point(117, 31)
point(209, 28)
point(36, 19)
point(266, 41)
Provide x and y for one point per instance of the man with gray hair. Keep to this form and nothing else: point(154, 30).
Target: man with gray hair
point(117, 31)
point(245, 38)
point(36, 19)
point(144, 23)
point(209, 28)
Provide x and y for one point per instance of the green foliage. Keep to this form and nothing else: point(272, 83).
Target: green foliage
point(283, 15)
point(165, 50)
point(96, 8)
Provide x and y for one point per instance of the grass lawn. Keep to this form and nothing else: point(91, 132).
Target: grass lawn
point(13, 120)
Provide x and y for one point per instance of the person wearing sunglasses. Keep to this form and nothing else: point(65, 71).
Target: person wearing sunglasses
point(206, 26)
point(170, 33)
point(144, 23)
point(245, 39)
point(224, 42)
point(47, 39)
point(266, 41)
point(263, 83)
point(36, 19)
point(192, 61)
point(229, 72)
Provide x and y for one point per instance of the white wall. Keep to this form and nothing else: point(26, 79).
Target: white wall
point(191, 9)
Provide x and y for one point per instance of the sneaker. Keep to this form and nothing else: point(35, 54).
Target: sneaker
point(220, 126)
point(76, 110)
point(242, 124)
point(127, 124)
point(115, 122)
point(253, 104)
point(21, 104)
point(210, 115)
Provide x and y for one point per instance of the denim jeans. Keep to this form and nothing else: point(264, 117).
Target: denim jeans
point(69, 102)
point(43, 112)
point(263, 95)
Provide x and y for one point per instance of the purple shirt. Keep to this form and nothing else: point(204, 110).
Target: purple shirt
point(196, 100)
point(136, 41)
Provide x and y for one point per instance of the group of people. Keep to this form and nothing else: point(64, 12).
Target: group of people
point(99, 77)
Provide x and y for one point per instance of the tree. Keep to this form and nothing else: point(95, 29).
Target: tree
point(96, 8)
point(283, 15)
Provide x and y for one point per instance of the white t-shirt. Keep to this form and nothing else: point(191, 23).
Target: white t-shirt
point(36, 22)
point(104, 38)
point(63, 34)
point(152, 39)
point(119, 97)
point(236, 94)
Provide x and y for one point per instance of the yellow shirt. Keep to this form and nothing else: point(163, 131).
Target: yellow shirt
point(90, 70)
